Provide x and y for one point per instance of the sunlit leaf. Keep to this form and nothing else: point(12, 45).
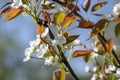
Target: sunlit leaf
point(86, 24)
point(58, 17)
point(66, 34)
point(71, 38)
point(40, 28)
point(59, 75)
point(86, 5)
point(70, 18)
point(87, 58)
point(12, 13)
point(117, 29)
point(98, 6)
point(79, 53)
point(46, 16)
point(72, 7)
point(48, 6)
point(116, 20)
point(98, 27)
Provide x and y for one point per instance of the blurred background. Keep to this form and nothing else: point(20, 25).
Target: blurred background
point(14, 39)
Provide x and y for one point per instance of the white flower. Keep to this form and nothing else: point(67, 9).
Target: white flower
point(27, 58)
point(110, 69)
point(94, 55)
point(76, 42)
point(117, 72)
point(95, 69)
point(42, 50)
point(87, 69)
point(95, 49)
point(16, 3)
point(33, 44)
point(49, 60)
point(101, 76)
point(28, 52)
point(45, 2)
point(116, 9)
point(44, 34)
point(94, 77)
point(60, 39)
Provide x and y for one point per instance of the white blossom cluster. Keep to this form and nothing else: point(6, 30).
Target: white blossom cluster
point(101, 75)
point(96, 75)
point(112, 69)
point(18, 3)
point(40, 49)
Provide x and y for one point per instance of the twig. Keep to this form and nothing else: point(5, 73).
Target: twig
point(64, 60)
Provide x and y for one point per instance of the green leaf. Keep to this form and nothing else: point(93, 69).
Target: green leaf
point(71, 38)
point(58, 17)
point(117, 30)
point(98, 6)
point(87, 58)
point(98, 27)
point(86, 5)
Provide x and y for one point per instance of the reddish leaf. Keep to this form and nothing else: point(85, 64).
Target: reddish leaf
point(46, 16)
point(109, 45)
point(70, 18)
point(116, 20)
point(79, 53)
point(69, 39)
point(98, 27)
point(40, 28)
point(6, 10)
point(86, 24)
point(72, 7)
point(59, 75)
point(86, 5)
point(12, 13)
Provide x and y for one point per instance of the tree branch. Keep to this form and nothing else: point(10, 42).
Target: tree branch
point(64, 60)
point(113, 52)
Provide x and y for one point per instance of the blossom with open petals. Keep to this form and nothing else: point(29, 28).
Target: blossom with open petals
point(116, 9)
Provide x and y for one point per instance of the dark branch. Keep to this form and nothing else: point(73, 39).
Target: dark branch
point(64, 60)
point(113, 52)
